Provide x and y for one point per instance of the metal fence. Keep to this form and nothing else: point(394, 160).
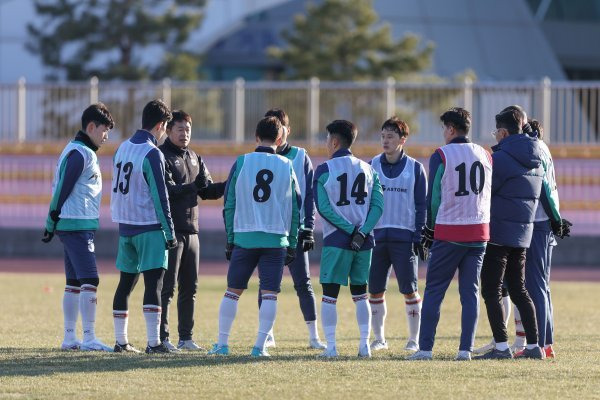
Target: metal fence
point(569, 111)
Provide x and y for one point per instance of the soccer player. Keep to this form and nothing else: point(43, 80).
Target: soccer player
point(299, 268)
point(140, 204)
point(187, 178)
point(262, 202)
point(73, 216)
point(398, 232)
point(349, 197)
point(457, 229)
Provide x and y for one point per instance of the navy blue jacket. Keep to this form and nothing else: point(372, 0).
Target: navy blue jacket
point(517, 177)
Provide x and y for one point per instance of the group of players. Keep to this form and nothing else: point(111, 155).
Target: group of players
point(467, 216)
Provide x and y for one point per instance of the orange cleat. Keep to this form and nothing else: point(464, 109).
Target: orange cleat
point(549, 352)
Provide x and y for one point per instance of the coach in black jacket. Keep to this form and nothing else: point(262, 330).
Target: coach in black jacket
point(187, 178)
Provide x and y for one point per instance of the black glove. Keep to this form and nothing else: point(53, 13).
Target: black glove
point(201, 182)
point(421, 251)
point(427, 237)
point(527, 128)
point(358, 239)
point(562, 228)
point(290, 256)
point(228, 251)
point(47, 236)
point(171, 244)
point(307, 239)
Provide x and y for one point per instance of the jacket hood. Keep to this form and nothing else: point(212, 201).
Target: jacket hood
point(523, 148)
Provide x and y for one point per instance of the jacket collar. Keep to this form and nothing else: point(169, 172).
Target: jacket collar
point(264, 149)
point(147, 135)
point(383, 158)
point(83, 137)
point(175, 149)
point(286, 149)
point(461, 139)
point(342, 153)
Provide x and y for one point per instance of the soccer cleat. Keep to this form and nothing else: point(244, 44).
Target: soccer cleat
point(95, 345)
point(364, 351)
point(420, 355)
point(411, 345)
point(189, 345)
point(463, 355)
point(270, 342)
point(159, 349)
point(329, 353)
point(549, 352)
point(316, 344)
point(536, 353)
point(377, 345)
point(220, 350)
point(70, 345)
point(485, 348)
point(125, 348)
point(169, 345)
point(257, 352)
point(496, 354)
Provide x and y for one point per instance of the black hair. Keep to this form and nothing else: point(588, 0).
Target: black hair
point(458, 118)
point(280, 115)
point(509, 120)
point(344, 130)
point(155, 112)
point(98, 114)
point(395, 124)
point(536, 126)
point(269, 129)
point(178, 116)
point(521, 115)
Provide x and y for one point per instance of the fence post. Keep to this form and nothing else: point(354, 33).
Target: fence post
point(546, 107)
point(21, 112)
point(390, 97)
point(313, 109)
point(166, 91)
point(93, 90)
point(468, 93)
point(239, 105)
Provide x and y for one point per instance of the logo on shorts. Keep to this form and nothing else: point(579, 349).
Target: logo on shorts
point(91, 247)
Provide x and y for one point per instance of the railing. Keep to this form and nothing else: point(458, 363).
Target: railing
point(569, 111)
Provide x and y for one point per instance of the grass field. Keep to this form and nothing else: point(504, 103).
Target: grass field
point(32, 367)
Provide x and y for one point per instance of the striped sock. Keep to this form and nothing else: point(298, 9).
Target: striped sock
point(152, 316)
point(70, 312)
point(413, 316)
point(121, 320)
point(266, 318)
point(227, 313)
point(87, 305)
point(363, 317)
point(378, 314)
point(329, 319)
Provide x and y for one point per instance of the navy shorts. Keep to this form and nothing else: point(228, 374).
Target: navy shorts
point(270, 268)
point(80, 255)
point(401, 256)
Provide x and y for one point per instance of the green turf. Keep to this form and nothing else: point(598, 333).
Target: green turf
point(32, 367)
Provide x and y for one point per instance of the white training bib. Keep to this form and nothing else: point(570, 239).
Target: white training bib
point(550, 177)
point(349, 188)
point(399, 196)
point(130, 200)
point(263, 194)
point(298, 164)
point(466, 185)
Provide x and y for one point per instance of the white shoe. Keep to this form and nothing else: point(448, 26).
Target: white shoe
point(316, 344)
point(95, 345)
point(270, 342)
point(463, 355)
point(484, 349)
point(169, 345)
point(364, 351)
point(377, 345)
point(329, 353)
point(189, 345)
point(420, 355)
point(70, 345)
point(411, 345)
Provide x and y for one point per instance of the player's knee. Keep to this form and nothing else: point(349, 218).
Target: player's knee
point(357, 290)
point(73, 282)
point(331, 290)
point(90, 281)
point(410, 295)
point(377, 295)
point(236, 291)
point(303, 289)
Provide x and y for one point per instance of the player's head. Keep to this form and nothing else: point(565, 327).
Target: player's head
point(508, 123)
point(456, 122)
point(96, 121)
point(520, 112)
point(179, 129)
point(394, 132)
point(284, 119)
point(341, 134)
point(155, 116)
point(536, 126)
point(269, 131)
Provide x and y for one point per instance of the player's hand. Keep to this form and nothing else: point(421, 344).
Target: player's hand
point(171, 244)
point(228, 251)
point(527, 128)
point(47, 236)
point(426, 237)
point(421, 251)
point(307, 239)
point(200, 181)
point(358, 239)
point(290, 256)
point(562, 228)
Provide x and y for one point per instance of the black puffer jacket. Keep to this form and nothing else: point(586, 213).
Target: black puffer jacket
point(182, 168)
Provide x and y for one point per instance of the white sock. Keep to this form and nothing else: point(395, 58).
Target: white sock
point(413, 316)
point(227, 313)
point(266, 318)
point(313, 333)
point(506, 306)
point(121, 319)
point(378, 314)
point(532, 346)
point(519, 330)
point(87, 305)
point(363, 317)
point(502, 346)
point(329, 319)
point(152, 316)
point(70, 312)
